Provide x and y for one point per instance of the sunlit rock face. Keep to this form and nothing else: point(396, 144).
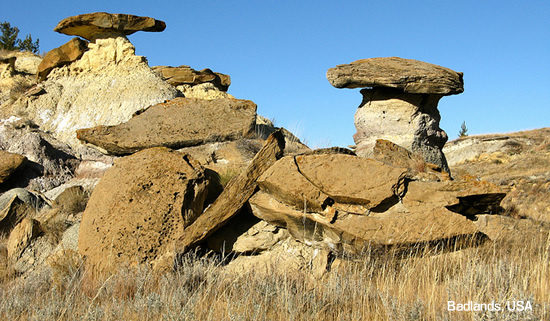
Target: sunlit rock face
point(409, 120)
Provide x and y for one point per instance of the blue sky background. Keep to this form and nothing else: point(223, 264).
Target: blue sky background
point(277, 53)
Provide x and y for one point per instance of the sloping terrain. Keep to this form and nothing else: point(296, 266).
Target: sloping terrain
point(518, 162)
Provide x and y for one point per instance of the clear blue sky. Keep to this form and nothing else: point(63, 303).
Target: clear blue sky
point(277, 53)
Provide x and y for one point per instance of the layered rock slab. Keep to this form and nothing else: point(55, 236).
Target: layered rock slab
point(178, 123)
point(140, 207)
point(410, 76)
point(342, 207)
point(91, 26)
point(185, 75)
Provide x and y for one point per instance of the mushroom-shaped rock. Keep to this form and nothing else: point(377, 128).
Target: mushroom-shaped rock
point(412, 76)
point(400, 98)
point(96, 25)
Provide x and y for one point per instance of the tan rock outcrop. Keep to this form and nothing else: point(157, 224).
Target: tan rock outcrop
point(140, 207)
point(92, 26)
point(178, 123)
point(9, 163)
point(315, 182)
point(343, 203)
point(21, 236)
point(7, 67)
point(411, 76)
point(61, 56)
point(185, 75)
point(106, 86)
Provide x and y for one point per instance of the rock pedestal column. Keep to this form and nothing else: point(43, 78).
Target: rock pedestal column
point(400, 98)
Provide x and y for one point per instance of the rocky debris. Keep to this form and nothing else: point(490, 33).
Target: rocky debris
point(64, 55)
point(140, 207)
point(50, 162)
point(234, 196)
point(285, 258)
point(185, 75)
point(343, 203)
point(21, 236)
point(246, 234)
point(177, 123)
point(203, 91)
point(17, 204)
point(9, 163)
point(106, 86)
point(410, 76)
point(92, 26)
point(198, 122)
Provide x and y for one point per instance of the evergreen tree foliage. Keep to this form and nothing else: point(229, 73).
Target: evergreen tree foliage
point(9, 40)
point(463, 130)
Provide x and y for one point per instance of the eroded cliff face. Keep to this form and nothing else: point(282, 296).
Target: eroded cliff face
point(106, 86)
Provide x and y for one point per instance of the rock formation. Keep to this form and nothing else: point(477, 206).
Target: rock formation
point(17, 70)
point(343, 203)
point(140, 207)
point(178, 123)
point(92, 26)
point(105, 86)
point(185, 75)
point(234, 196)
point(9, 163)
point(64, 55)
point(399, 103)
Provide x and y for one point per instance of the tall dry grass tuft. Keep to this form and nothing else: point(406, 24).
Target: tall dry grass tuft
point(395, 286)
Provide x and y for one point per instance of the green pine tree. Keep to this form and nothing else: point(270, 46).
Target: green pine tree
point(9, 40)
point(463, 130)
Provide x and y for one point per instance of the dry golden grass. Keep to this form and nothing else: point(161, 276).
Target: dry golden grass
point(387, 287)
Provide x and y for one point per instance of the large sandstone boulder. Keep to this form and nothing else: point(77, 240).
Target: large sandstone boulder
point(92, 26)
point(106, 86)
point(399, 103)
point(408, 75)
point(178, 123)
point(140, 207)
point(343, 203)
point(64, 55)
